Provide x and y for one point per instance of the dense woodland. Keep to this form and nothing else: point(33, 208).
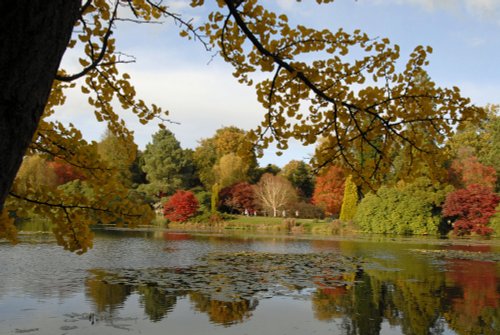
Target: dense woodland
point(219, 178)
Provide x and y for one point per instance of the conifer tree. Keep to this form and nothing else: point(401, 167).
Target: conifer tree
point(350, 201)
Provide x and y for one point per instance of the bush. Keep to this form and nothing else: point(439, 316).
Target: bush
point(212, 218)
point(472, 209)
point(181, 206)
point(407, 209)
point(307, 211)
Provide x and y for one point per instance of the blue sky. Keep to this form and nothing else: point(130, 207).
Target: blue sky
point(202, 95)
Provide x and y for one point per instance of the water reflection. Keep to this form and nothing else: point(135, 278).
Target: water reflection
point(465, 298)
point(225, 313)
point(163, 283)
point(108, 298)
point(474, 306)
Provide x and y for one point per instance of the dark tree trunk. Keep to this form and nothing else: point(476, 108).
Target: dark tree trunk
point(33, 37)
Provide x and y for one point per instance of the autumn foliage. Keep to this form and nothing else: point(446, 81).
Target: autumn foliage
point(472, 207)
point(65, 172)
point(467, 170)
point(181, 206)
point(238, 198)
point(329, 190)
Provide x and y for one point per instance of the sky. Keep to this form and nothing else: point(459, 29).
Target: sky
point(201, 94)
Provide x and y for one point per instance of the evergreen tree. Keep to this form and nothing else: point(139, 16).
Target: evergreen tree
point(301, 176)
point(350, 201)
point(168, 167)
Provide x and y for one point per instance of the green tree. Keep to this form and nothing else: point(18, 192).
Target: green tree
point(350, 200)
point(138, 175)
point(301, 176)
point(408, 208)
point(205, 157)
point(168, 167)
point(481, 139)
point(260, 171)
point(214, 198)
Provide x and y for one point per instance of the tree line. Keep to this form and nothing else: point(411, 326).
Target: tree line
point(221, 176)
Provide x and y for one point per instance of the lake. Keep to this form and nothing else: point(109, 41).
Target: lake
point(167, 282)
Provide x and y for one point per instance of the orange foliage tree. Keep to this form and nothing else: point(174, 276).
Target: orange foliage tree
point(329, 190)
point(467, 170)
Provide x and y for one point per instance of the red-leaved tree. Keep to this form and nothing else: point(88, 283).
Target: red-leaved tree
point(65, 172)
point(238, 197)
point(467, 170)
point(329, 190)
point(472, 208)
point(180, 206)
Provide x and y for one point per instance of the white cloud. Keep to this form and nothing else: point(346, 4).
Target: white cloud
point(485, 9)
point(480, 93)
point(481, 9)
point(429, 5)
point(200, 99)
point(286, 4)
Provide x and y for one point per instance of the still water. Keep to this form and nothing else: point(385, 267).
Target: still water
point(157, 282)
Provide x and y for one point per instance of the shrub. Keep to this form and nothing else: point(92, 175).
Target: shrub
point(407, 209)
point(181, 206)
point(471, 208)
point(307, 211)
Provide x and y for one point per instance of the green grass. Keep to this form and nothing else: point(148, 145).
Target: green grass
point(270, 224)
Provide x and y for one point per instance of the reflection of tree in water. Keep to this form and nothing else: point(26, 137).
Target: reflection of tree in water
point(414, 297)
point(419, 299)
point(157, 304)
point(223, 312)
point(475, 308)
point(354, 304)
point(411, 299)
point(107, 298)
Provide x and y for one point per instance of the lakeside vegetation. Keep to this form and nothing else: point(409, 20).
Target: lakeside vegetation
point(217, 186)
point(268, 224)
point(395, 152)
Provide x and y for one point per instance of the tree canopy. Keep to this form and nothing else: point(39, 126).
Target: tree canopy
point(168, 167)
point(365, 104)
point(329, 190)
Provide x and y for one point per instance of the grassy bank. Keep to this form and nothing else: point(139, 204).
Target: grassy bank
point(269, 224)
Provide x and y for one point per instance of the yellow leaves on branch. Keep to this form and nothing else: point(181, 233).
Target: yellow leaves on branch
point(96, 196)
point(345, 88)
